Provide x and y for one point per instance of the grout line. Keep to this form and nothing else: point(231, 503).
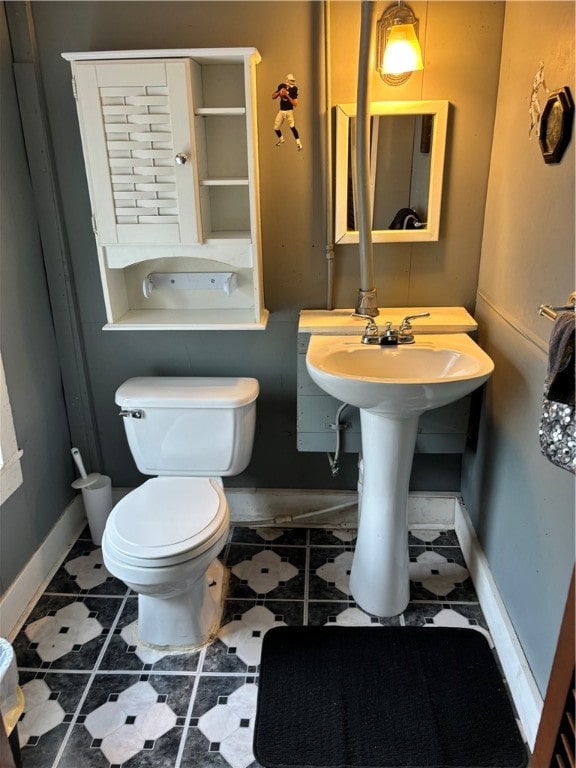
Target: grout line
point(306, 581)
point(114, 672)
point(188, 716)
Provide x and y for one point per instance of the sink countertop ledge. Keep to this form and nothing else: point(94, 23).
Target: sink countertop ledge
point(341, 322)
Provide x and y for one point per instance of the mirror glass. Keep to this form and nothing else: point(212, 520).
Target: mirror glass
point(407, 149)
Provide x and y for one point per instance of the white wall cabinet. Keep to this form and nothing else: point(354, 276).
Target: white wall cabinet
point(171, 153)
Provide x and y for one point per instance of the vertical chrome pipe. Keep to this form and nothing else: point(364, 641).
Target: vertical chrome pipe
point(367, 300)
point(326, 74)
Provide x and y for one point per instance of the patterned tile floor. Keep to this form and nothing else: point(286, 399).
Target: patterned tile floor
point(96, 699)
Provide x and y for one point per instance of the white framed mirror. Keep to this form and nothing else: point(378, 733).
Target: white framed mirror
point(407, 149)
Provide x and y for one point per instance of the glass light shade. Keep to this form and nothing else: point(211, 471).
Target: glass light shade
point(402, 52)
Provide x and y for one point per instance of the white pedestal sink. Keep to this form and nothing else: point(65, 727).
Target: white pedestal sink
point(392, 386)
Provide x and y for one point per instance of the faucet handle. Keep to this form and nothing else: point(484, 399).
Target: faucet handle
point(405, 324)
point(371, 327)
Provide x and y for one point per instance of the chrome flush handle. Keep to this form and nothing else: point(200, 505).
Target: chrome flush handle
point(136, 414)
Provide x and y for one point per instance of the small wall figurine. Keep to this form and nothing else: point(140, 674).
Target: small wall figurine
point(287, 92)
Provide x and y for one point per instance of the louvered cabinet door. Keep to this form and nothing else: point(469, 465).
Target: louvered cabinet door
point(138, 137)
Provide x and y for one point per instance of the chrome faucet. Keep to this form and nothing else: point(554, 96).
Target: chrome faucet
point(390, 336)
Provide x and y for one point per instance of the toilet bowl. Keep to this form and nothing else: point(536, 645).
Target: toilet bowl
point(164, 558)
point(163, 539)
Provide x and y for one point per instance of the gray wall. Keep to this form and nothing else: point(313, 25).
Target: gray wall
point(29, 351)
point(522, 506)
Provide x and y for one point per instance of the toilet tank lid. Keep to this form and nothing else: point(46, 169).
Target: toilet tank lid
point(187, 392)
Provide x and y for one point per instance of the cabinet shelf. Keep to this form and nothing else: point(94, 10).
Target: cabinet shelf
point(210, 111)
point(224, 182)
point(187, 319)
point(230, 249)
point(238, 236)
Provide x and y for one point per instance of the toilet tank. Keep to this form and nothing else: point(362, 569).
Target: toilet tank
point(191, 426)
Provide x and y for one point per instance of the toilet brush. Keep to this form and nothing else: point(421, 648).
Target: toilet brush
point(96, 495)
point(85, 479)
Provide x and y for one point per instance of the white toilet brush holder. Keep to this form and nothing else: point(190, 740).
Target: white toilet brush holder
point(96, 495)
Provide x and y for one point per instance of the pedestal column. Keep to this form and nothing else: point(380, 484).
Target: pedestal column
point(379, 579)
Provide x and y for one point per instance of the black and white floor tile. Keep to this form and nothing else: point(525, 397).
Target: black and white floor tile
point(95, 698)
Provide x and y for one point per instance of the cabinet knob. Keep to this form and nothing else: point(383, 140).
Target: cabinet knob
point(181, 158)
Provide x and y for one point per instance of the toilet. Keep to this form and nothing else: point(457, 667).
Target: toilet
point(163, 538)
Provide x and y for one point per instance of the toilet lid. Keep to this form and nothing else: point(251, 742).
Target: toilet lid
point(166, 517)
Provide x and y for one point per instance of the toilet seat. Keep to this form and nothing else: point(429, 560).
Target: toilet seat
point(166, 521)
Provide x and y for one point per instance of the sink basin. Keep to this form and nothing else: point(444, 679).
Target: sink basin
point(403, 381)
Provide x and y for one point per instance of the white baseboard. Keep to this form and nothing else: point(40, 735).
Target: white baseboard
point(320, 508)
point(523, 688)
point(21, 595)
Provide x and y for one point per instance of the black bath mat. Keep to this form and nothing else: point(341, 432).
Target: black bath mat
point(383, 697)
